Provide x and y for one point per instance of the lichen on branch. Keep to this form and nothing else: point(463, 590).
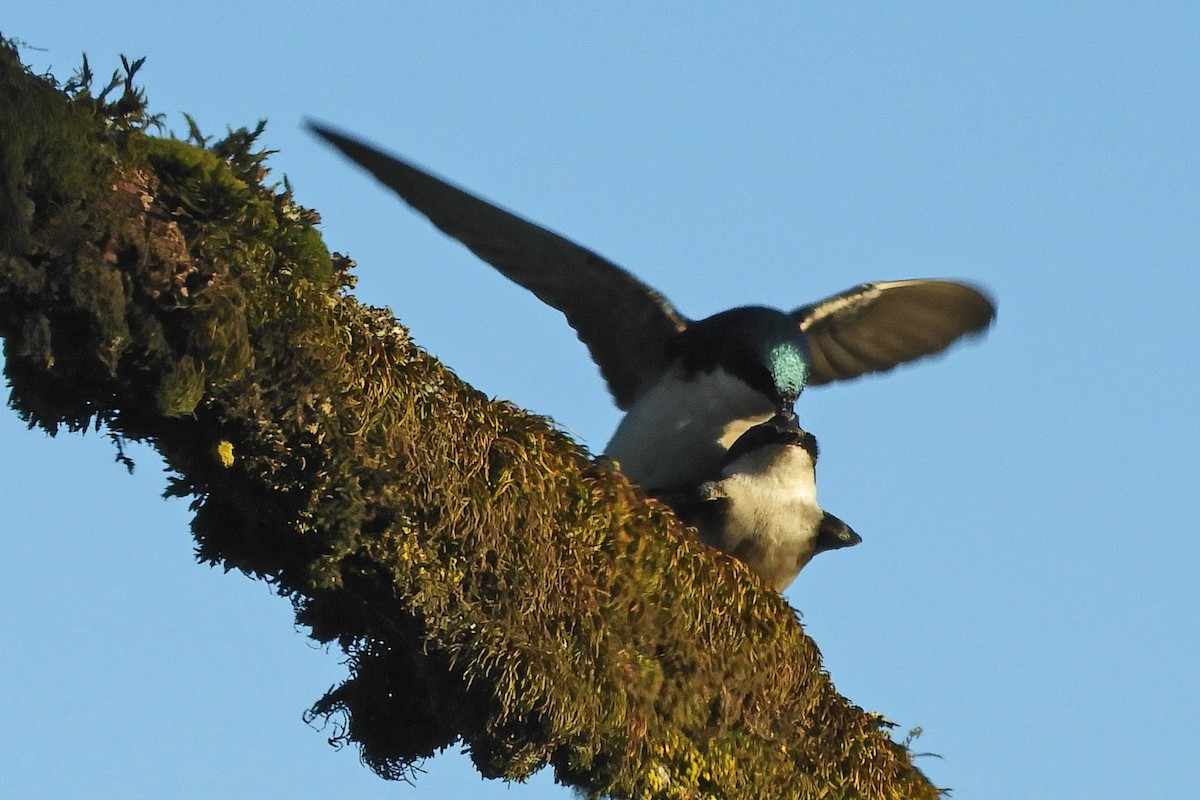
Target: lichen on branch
point(490, 582)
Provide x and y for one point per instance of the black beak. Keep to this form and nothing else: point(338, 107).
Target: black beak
point(833, 534)
point(784, 421)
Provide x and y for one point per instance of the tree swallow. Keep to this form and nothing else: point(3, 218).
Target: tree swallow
point(690, 388)
point(761, 506)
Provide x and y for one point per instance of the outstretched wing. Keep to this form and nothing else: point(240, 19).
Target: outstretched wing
point(625, 324)
point(875, 326)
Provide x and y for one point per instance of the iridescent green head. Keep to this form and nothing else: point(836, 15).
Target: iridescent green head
point(789, 364)
point(762, 346)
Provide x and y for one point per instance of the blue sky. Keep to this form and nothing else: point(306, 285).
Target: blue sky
point(1026, 588)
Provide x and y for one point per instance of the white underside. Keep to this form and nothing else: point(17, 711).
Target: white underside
point(678, 431)
point(772, 515)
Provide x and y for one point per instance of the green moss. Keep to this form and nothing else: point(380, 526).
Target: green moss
point(489, 582)
point(181, 388)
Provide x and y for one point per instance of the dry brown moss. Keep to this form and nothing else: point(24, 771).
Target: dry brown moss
point(489, 581)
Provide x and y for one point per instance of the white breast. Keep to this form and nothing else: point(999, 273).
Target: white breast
point(772, 513)
point(677, 432)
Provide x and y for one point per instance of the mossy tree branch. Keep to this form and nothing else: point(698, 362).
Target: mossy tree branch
point(488, 580)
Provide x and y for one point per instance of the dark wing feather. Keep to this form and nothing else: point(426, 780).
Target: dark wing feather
point(625, 324)
point(702, 505)
point(876, 326)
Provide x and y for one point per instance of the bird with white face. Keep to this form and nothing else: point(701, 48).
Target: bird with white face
point(761, 506)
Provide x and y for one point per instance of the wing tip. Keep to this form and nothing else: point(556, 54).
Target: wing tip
point(321, 130)
point(955, 309)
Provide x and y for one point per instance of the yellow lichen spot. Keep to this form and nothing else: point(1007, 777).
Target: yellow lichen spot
point(225, 453)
